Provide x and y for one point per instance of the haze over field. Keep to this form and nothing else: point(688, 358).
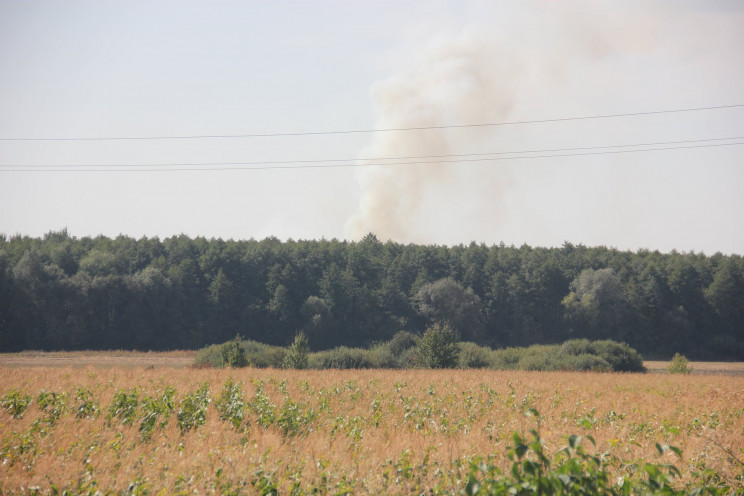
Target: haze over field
point(120, 69)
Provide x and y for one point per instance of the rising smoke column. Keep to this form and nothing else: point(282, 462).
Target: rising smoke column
point(457, 80)
point(548, 60)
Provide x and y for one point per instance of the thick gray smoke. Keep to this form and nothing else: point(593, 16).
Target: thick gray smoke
point(473, 76)
point(457, 80)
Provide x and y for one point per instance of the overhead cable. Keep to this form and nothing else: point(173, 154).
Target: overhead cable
point(375, 159)
point(385, 130)
point(389, 164)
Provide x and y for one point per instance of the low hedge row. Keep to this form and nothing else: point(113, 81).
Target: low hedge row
point(400, 353)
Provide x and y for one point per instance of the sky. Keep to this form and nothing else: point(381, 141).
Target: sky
point(74, 74)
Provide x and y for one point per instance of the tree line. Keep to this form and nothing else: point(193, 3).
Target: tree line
point(60, 292)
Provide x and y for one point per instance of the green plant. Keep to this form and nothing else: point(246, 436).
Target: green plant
point(257, 354)
point(474, 356)
point(618, 357)
point(231, 405)
point(52, 404)
point(572, 471)
point(262, 407)
point(679, 365)
point(86, 405)
point(124, 406)
point(296, 356)
point(341, 358)
point(15, 402)
point(586, 362)
point(293, 418)
point(192, 410)
point(397, 353)
point(401, 342)
point(233, 354)
point(575, 354)
point(156, 411)
point(438, 348)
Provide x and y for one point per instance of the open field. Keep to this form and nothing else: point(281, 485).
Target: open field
point(98, 359)
point(185, 358)
point(700, 368)
point(346, 432)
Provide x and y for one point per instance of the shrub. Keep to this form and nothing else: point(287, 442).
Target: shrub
point(506, 358)
point(620, 356)
point(262, 355)
point(232, 353)
point(341, 358)
point(473, 356)
point(539, 362)
point(381, 357)
point(576, 347)
point(575, 354)
point(256, 354)
point(296, 356)
point(396, 353)
point(586, 362)
point(540, 357)
point(401, 342)
point(438, 348)
point(208, 357)
point(679, 365)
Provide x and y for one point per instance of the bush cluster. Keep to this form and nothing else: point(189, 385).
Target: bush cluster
point(256, 354)
point(575, 354)
point(438, 347)
point(342, 358)
point(679, 365)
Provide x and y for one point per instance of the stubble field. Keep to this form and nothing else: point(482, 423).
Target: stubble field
point(162, 430)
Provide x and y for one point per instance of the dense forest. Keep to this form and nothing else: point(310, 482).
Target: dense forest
point(64, 293)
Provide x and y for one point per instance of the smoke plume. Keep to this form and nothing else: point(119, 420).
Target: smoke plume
point(472, 76)
point(456, 81)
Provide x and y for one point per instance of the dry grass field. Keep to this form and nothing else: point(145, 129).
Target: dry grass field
point(701, 368)
point(106, 359)
point(345, 432)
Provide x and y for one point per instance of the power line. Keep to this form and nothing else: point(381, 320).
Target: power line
point(359, 131)
point(355, 165)
point(452, 155)
point(354, 161)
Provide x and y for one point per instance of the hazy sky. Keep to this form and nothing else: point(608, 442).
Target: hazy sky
point(92, 69)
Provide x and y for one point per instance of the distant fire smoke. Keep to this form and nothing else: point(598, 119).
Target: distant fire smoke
point(456, 81)
point(472, 77)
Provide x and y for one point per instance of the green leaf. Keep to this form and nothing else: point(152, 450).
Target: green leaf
point(676, 451)
point(574, 441)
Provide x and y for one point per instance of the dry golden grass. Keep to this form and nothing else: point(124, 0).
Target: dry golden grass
point(366, 426)
point(102, 359)
point(728, 368)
